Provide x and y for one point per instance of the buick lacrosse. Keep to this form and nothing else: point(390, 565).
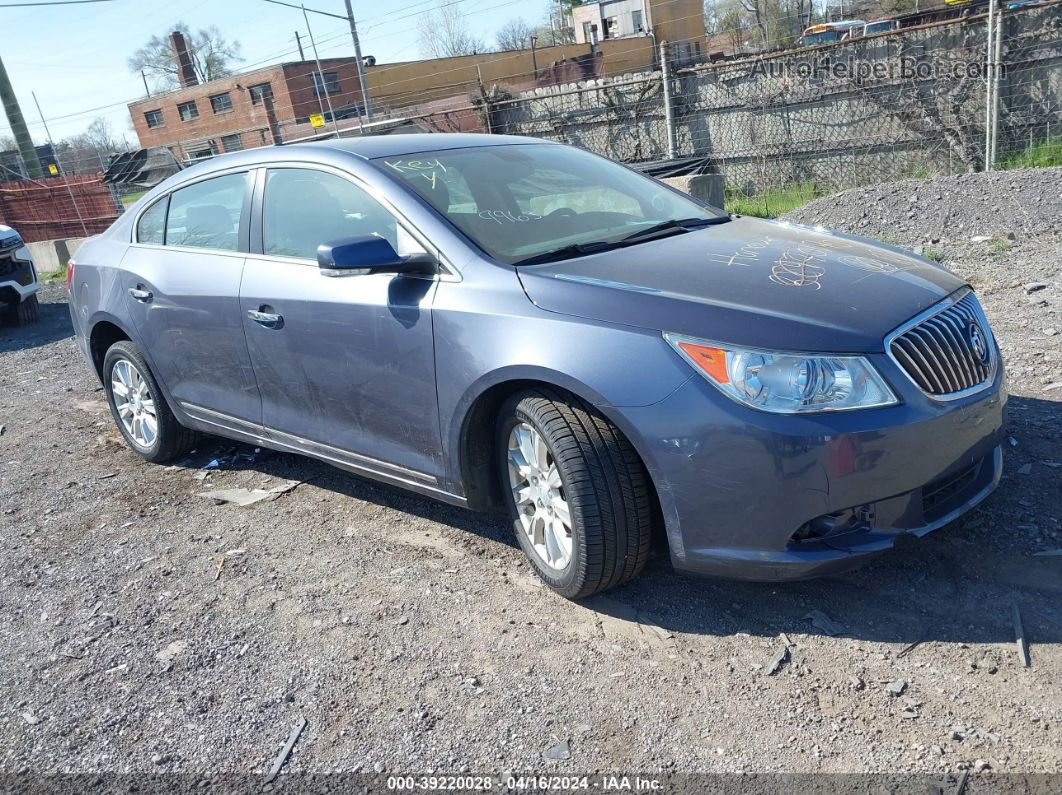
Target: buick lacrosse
point(509, 323)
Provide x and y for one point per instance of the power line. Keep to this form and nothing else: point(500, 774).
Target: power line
point(53, 3)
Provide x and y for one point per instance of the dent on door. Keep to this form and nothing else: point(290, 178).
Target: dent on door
point(350, 363)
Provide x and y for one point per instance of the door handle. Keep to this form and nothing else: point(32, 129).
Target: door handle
point(267, 319)
point(141, 295)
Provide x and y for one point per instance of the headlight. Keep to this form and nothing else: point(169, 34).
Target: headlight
point(786, 383)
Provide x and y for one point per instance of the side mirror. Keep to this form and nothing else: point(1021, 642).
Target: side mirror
point(367, 254)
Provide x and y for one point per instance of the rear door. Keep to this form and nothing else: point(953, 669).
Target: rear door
point(182, 283)
point(345, 363)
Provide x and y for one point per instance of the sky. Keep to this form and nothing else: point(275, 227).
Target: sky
point(74, 57)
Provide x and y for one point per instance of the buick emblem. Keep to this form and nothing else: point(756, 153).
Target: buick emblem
point(978, 343)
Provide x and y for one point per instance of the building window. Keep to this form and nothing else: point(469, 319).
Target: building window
point(260, 92)
point(636, 20)
point(221, 103)
point(232, 143)
point(331, 83)
point(154, 118)
point(588, 34)
point(188, 111)
point(611, 27)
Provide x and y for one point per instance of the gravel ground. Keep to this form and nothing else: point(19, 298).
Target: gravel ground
point(145, 629)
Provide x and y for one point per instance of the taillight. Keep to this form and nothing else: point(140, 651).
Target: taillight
point(69, 274)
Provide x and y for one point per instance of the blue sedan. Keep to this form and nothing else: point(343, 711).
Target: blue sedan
point(508, 323)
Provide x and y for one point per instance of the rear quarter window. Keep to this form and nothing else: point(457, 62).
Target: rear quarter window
point(152, 224)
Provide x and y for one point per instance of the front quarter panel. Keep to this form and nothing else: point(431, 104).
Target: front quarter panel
point(488, 332)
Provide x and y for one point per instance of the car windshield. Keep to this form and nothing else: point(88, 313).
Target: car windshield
point(519, 202)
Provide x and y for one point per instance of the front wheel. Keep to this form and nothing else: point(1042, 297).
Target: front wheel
point(576, 490)
point(139, 409)
point(25, 312)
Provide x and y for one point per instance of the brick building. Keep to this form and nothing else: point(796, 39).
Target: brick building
point(244, 110)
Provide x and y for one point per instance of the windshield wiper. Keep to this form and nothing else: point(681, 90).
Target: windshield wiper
point(671, 227)
point(675, 226)
point(567, 252)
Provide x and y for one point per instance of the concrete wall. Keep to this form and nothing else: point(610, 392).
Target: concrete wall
point(51, 256)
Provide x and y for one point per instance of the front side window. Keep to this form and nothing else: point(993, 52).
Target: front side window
point(304, 208)
point(153, 118)
point(520, 201)
point(152, 224)
point(207, 214)
point(221, 103)
point(188, 111)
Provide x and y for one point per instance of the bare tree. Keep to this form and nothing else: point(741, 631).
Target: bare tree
point(443, 33)
point(557, 28)
point(514, 35)
point(212, 55)
point(87, 152)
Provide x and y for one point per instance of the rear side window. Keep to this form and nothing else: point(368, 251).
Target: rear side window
point(152, 224)
point(207, 214)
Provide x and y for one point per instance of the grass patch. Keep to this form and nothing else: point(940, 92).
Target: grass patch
point(57, 276)
point(933, 254)
point(773, 202)
point(130, 199)
point(1042, 155)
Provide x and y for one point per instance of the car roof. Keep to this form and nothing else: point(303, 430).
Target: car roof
point(372, 146)
point(332, 151)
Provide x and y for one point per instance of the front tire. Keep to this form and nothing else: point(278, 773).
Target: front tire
point(139, 409)
point(26, 312)
point(576, 490)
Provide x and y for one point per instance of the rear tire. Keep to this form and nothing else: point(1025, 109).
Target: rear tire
point(26, 312)
point(139, 410)
point(590, 472)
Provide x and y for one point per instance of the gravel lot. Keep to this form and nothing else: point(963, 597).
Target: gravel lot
point(146, 629)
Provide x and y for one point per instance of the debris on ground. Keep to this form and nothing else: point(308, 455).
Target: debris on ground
point(780, 658)
point(560, 752)
point(1019, 632)
point(285, 752)
point(896, 687)
point(823, 622)
point(244, 497)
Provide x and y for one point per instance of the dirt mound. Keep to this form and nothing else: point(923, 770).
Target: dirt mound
point(1021, 205)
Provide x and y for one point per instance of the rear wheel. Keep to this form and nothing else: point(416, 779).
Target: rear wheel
point(140, 411)
point(576, 490)
point(26, 312)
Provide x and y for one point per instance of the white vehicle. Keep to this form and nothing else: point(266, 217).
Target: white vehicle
point(881, 26)
point(18, 279)
point(832, 32)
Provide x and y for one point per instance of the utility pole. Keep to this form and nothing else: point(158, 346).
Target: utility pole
point(366, 100)
point(147, 91)
point(18, 126)
point(534, 60)
point(322, 87)
point(298, 43)
point(59, 166)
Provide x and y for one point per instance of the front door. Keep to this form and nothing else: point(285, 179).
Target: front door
point(346, 363)
point(181, 280)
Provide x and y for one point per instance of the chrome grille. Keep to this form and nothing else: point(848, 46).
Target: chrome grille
point(949, 351)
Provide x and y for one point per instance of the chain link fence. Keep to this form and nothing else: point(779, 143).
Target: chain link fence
point(792, 126)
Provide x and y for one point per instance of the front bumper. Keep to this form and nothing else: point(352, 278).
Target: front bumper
point(18, 277)
point(749, 495)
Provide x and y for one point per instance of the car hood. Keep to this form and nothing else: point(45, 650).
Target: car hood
point(751, 282)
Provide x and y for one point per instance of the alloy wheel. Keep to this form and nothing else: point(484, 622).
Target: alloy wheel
point(134, 403)
point(538, 492)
